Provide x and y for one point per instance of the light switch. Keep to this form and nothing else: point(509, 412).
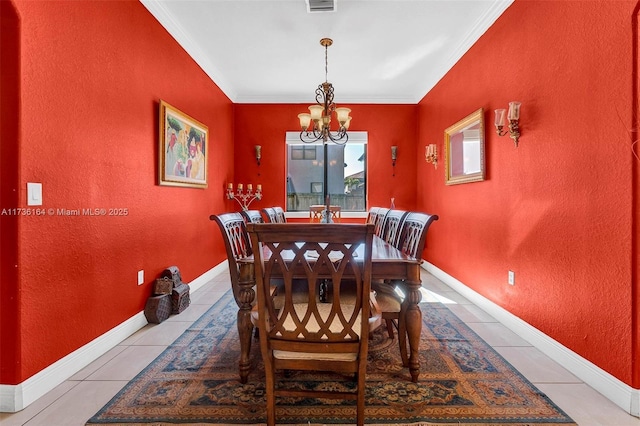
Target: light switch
point(34, 194)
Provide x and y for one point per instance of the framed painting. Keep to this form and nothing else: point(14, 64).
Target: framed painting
point(183, 149)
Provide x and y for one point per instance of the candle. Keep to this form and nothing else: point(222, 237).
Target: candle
point(239, 187)
point(259, 188)
point(230, 187)
point(249, 187)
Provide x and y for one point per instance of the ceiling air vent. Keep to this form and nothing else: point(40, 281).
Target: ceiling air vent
point(321, 6)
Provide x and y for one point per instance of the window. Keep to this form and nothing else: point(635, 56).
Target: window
point(346, 173)
point(306, 152)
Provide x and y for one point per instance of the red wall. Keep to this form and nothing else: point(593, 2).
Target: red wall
point(387, 125)
point(91, 75)
point(81, 82)
point(559, 209)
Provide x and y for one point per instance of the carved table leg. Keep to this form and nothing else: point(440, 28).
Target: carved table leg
point(244, 299)
point(413, 320)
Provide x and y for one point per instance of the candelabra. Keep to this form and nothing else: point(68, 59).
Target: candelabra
point(244, 198)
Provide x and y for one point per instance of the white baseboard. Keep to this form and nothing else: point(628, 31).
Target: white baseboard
point(14, 398)
point(614, 389)
point(208, 276)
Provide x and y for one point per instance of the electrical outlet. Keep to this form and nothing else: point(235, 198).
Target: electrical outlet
point(512, 278)
point(141, 277)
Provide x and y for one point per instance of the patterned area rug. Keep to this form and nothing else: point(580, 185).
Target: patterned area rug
point(462, 381)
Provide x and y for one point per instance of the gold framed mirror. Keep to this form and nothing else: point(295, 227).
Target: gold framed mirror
point(464, 150)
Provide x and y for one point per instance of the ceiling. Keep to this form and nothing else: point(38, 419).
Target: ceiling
point(384, 51)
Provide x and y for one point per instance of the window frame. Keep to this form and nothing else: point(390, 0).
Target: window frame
point(293, 138)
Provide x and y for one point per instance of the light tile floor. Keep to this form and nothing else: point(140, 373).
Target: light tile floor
point(73, 402)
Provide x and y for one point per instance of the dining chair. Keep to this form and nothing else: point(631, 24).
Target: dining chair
point(252, 216)
point(372, 215)
point(336, 213)
point(236, 242)
point(315, 213)
point(270, 215)
point(392, 226)
point(388, 295)
point(309, 335)
point(379, 220)
point(280, 217)
point(238, 246)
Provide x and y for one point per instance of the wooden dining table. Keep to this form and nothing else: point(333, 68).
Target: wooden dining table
point(387, 263)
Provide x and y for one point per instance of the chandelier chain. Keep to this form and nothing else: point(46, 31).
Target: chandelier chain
point(326, 64)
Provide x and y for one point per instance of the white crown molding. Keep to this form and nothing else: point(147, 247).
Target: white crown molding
point(614, 389)
point(343, 101)
point(14, 398)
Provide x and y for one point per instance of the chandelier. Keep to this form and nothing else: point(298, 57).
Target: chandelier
point(315, 124)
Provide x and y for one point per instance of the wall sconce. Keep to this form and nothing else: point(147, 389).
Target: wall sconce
point(394, 157)
point(258, 154)
point(431, 154)
point(514, 118)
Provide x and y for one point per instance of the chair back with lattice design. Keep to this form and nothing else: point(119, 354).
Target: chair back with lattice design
point(372, 214)
point(280, 217)
point(414, 233)
point(392, 226)
point(378, 219)
point(270, 215)
point(236, 242)
point(305, 333)
point(252, 216)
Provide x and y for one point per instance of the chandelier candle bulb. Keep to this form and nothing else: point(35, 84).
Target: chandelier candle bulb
point(305, 120)
point(343, 115)
point(316, 111)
